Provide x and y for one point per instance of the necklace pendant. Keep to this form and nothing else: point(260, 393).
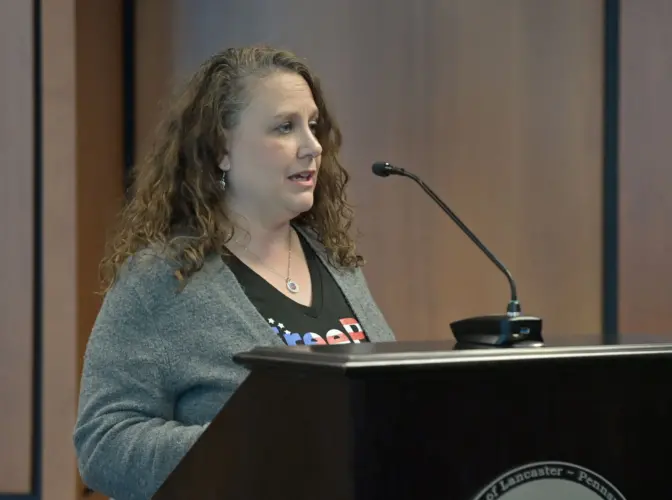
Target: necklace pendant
point(292, 286)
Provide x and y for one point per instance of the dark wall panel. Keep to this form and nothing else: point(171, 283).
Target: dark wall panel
point(645, 174)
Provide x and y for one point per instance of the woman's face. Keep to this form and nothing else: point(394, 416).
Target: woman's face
point(273, 154)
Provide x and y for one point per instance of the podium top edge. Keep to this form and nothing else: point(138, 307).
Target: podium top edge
point(386, 355)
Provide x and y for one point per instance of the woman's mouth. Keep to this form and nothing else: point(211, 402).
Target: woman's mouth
point(305, 178)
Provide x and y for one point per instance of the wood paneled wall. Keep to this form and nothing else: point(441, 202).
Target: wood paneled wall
point(497, 105)
point(79, 147)
point(58, 250)
point(16, 245)
point(645, 174)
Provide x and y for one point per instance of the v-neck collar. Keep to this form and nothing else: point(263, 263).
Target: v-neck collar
point(347, 280)
point(317, 286)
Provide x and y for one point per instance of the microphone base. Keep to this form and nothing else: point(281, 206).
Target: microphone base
point(498, 331)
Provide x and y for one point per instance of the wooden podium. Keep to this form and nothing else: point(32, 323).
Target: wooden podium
point(433, 420)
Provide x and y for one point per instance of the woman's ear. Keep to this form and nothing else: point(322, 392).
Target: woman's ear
point(225, 164)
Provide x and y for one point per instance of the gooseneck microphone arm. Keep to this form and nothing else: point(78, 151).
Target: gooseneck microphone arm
point(384, 169)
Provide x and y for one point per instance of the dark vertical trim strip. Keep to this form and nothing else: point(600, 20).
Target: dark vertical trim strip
point(37, 250)
point(612, 14)
point(128, 84)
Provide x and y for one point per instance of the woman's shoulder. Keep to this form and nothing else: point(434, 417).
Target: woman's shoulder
point(147, 266)
point(154, 274)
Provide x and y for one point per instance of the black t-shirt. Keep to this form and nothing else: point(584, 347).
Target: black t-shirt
point(328, 320)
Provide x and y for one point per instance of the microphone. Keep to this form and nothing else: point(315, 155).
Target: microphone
point(512, 328)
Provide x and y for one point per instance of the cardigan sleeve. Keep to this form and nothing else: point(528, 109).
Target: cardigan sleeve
point(125, 437)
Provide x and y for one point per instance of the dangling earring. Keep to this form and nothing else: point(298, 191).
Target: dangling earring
point(222, 181)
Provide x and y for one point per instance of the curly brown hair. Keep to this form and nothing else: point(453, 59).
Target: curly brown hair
point(176, 188)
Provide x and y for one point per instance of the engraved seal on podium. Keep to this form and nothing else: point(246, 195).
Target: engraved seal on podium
point(550, 481)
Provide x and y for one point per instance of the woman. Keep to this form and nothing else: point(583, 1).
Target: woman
point(236, 236)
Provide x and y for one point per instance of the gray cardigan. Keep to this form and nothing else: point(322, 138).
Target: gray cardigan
point(158, 366)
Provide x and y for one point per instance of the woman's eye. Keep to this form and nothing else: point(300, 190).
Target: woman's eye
point(285, 128)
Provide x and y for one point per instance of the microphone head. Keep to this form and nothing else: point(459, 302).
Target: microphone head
point(382, 168)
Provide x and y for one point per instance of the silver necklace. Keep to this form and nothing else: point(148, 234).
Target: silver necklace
point(291, 285)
